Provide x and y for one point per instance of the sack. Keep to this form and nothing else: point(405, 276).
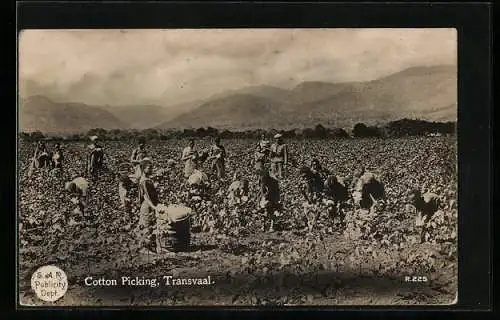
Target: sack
point(197, 178)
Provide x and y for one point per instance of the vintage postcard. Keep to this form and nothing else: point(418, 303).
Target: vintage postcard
point(237, 167)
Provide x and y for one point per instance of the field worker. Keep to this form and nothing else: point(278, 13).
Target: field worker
point(125, 185)
point(189, 155)
point(319, 170)
point(42, 156)
point(149, 202)
point(218, 156)
point(355, 177)
point(238, 190)
point(262, 154)
point(57, 157)
point(263, 141)
point(197, 184)
point(78, 189)
point(336, 195)
point(269, 195)
point(138, 154)
point(426, 205)
point(96, 157)
point(368, 190)
point(279, 157)
point(311, 187)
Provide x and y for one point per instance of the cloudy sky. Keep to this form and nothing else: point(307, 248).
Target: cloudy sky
point(166, 67)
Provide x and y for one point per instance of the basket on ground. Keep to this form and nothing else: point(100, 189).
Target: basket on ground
point(174, 227)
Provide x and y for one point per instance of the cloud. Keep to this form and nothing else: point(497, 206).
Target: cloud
point(172, 66)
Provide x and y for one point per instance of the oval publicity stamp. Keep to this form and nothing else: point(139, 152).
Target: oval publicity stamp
point(49, 283)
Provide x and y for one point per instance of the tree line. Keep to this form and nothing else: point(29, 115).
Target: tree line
point(393, 129)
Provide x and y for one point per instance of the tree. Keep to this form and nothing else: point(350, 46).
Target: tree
point(339, 133)
point(308, 133)
point(37, 135)
point(150, 134)
point(360, 130)
point(320, 131)
point(24, 136)
point(211, 131)
point(100, 132)
point(189, 133)
point(226, 134)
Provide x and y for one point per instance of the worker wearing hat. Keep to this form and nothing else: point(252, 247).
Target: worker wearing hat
point(218, 155)
point(279, 157)
point(261, 154)
point(96, 157)
point(138, 154)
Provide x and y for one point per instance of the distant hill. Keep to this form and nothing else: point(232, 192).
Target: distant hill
point(140, 116)
point(40, 113)
point(264, 91)
point(428, 93)
point(245, 110)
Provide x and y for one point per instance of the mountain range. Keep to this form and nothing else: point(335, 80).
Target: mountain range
point(427, 93)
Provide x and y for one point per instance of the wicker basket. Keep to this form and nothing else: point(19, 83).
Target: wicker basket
point(174, 227)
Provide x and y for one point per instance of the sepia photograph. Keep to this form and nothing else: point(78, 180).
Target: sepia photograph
point(237, 167)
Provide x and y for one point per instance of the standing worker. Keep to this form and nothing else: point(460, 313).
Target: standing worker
point(261, 154)
point(279, 157)
point(189, 156)
point(96, 158)
point(138, 154)
point(270, 200)
point(124, 189)
point(218, 155)
point(57, 157)
point(149, 202)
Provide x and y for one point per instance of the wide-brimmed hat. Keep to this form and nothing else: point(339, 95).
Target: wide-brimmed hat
point(278, 135)
point(146, 160)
